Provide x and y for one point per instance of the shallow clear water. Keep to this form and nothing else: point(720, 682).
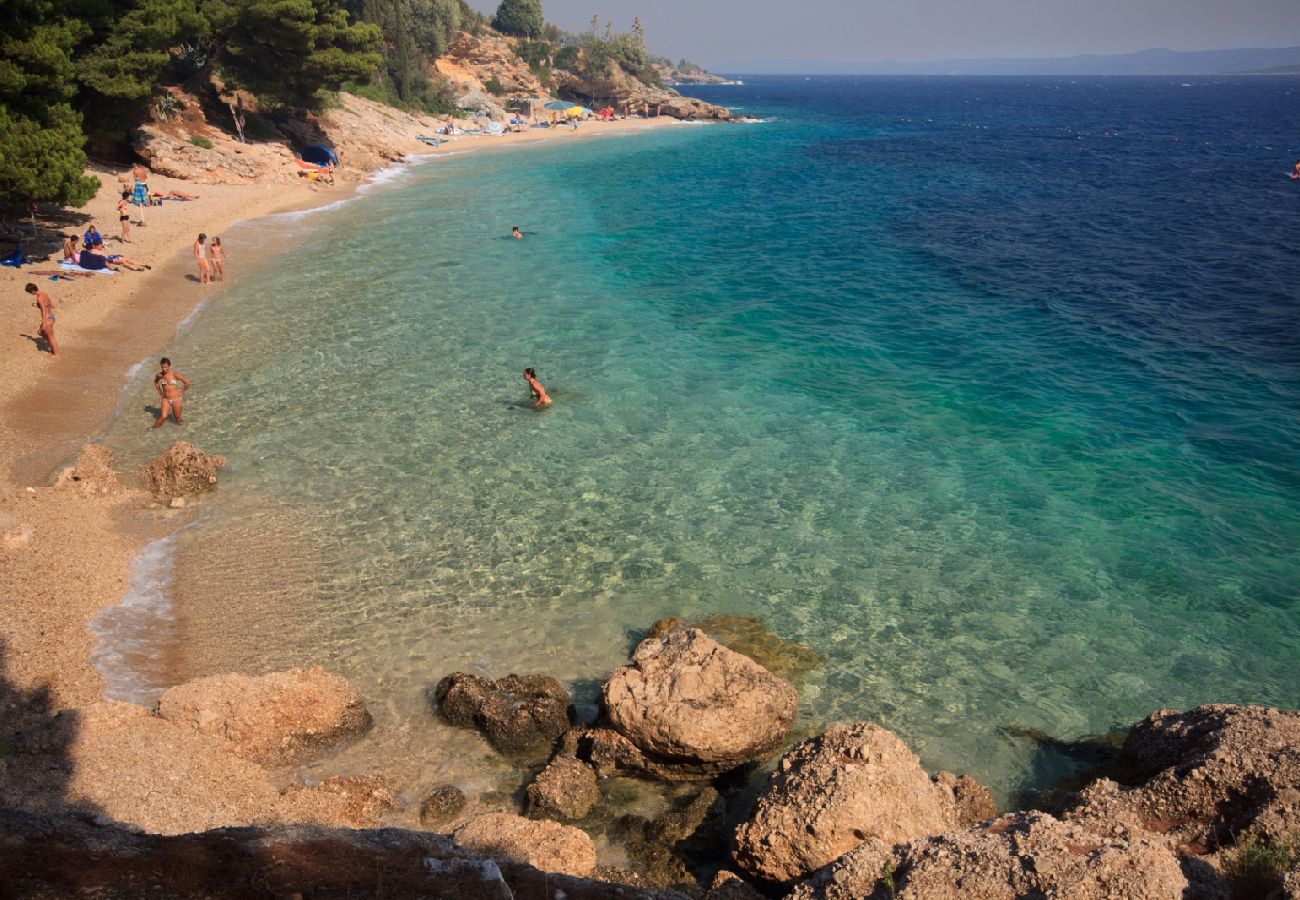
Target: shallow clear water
point(987, 389)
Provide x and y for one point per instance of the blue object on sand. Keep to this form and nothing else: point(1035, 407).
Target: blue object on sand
point(16, 259)
point(320, 156)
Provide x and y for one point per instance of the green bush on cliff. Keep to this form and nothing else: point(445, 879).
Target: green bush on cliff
point(522, 18)
point(1252, 865)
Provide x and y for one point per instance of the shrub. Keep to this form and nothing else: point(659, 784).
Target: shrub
point(494, 87)
point(1252, 866)
point(200, 141)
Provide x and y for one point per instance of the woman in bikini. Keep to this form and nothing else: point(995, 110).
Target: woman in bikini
point(218, 255)
point(124, 216)
point(46, 307)
point(539, 395)
point(171, 388)
point(201, 257)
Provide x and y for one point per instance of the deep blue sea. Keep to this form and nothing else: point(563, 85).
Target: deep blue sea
point(988, 389)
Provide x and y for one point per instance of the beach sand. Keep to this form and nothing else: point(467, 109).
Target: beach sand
point(65, 549)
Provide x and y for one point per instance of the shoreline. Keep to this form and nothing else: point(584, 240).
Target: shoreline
point(69, 552)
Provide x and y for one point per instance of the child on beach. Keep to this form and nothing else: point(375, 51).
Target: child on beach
point(218, 255)
point(70, 249)
point(124, 216)
point(539, 395)
point(201, 257)
point(171, 388)
point(46, 306)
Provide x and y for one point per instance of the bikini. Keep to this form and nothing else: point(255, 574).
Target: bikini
point(174, 382)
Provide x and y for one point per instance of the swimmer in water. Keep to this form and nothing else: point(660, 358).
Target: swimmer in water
point(516, 233)
point(540, 397)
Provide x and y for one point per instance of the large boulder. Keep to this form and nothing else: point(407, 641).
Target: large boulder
point(748, 635)
point(544, 845)
point(1201, 778)
point(1017, 856)
point(274, 719)
point(518, 714)
point(610, 753)
point(565, 789)
point(182, 469)
point(687, 699)
point(830, 793)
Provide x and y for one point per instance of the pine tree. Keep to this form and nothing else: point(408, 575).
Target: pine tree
point(519, 17)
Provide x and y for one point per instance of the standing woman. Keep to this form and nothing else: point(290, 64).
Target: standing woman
point(46, 306)
point(171, 388)
point(218, 254)
point(201, 257)
point(124, 216)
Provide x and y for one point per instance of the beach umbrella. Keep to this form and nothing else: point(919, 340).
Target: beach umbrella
point(559, 105)
point(576, 110)
point(321, 156)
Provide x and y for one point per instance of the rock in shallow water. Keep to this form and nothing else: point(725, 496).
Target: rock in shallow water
point(441, 805)
point(565, 789)
point(517, 714)
point(686, 698)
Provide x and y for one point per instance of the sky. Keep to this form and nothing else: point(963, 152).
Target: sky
point(719, 33)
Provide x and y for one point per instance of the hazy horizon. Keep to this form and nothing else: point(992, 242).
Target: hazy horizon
point(723, 33)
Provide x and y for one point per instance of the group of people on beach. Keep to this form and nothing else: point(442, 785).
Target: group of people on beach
point(211, 259)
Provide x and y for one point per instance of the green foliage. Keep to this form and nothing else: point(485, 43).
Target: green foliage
point(567, 58)
point(199, 140)
point(519, 17)
point(166, 107)
point(627, 49)
point(1252, 866)
point(887, 876)
point(257, 128)
point(42, 146)
point(287, 51)
point(133, 52)
point(494, 87)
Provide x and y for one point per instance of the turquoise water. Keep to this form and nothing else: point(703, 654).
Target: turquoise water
point(1002, 459)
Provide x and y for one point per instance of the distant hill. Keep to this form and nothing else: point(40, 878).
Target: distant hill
point(1278, 61)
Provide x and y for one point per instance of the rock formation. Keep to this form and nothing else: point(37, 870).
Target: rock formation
point(442, 804)
point(687, 699)
point(1018, 855)
point(548, 846)
point(274, 719)
point(565, 789)
point(182, 469)
point(833, 792)
point(92, 473)
point(748, 636)
point(517, 714)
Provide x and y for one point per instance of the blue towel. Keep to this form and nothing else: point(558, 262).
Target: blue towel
point(16, 259)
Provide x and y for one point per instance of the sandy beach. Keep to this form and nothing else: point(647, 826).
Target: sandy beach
point(67, 546)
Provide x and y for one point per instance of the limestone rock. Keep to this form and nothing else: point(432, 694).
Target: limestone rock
point(748, 635)
point(182, 469)
point(471, 61)
point(1019, 855)
point(274, 719)
point(92, 473)
point(517, 714)
point(1202, 776)
point(548, 846)
point(565, 789)
point(686, 698)
point(610, 753)
point(442, 804)
point(730, 886)
point(355, 801)
point(972, 803)
point(830, 793)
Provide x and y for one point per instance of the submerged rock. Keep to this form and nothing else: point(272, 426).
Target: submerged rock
point(831, 793)
point(545, 845)
point(687, 699)
point(182, 469)
point(748, 635)
point(565, 789)
point(517, 714)
point(274, 719)
point(442, 804)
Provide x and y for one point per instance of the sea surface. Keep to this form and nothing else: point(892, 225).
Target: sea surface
point(986, 389)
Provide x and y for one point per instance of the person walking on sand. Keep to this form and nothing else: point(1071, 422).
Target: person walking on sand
point(539, 395)
point(201, 257)
point(124, 216)
point(171, 388)
point(46, 306)
point(218, 254)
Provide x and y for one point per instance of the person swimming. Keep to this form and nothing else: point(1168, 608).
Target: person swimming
point(516, 233)
point(539, 395)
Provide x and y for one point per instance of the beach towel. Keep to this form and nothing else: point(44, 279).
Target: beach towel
point(16, 259)
point(73, 267)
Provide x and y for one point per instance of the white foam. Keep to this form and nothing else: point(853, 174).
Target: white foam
point(132, 637)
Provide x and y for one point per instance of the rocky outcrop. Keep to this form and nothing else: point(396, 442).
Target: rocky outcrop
point(182, 469)
point(687, 699)
point(275, 719)
point(616, 87)
point(833, 792)
point(610, 753)
point(518, 714)
point(548, 846)
point(472, 61)
point(1018, 855)
point(565, 789)
point(92, 473)
point(1202, 778)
